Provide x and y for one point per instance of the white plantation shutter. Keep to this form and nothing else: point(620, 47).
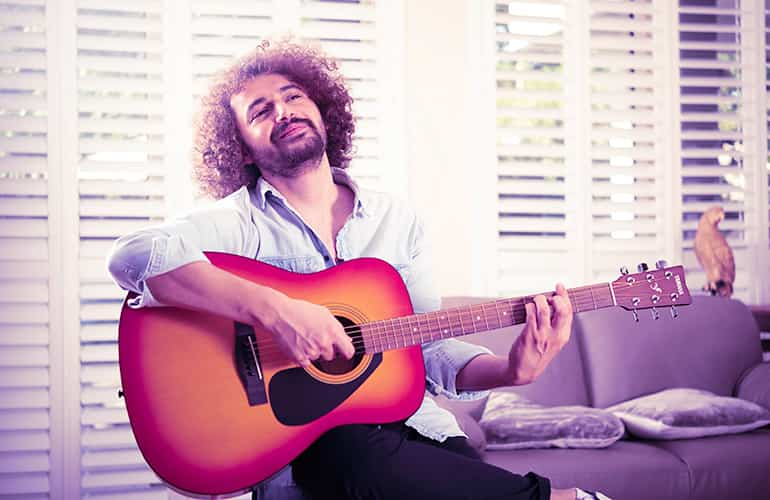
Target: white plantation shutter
point(535, 201)
point(25, 398)
point(121, 174)
point(601, 144)
point(123, 81)
point(348, 31)
point(718, 163)
point(221, 31)
point(626, 185)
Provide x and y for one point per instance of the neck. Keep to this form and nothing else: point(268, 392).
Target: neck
point(314, 187)
point(406, 331)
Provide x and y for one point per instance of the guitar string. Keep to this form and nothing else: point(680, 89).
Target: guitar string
point(580, 301)
point(380, 331)
point(387, 336)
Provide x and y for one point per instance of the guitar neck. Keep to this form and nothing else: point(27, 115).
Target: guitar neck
point(405, 331)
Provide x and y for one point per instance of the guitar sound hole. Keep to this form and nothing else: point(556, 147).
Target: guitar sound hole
point(339, 365)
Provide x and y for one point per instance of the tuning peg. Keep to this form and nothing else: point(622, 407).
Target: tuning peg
point(661, 264)
point(623, 270)
point(674, 313)
point(642, 267)
point(636, 316)
point(655, 314)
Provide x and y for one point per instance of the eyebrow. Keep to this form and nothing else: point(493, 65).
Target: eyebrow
point(260, 100)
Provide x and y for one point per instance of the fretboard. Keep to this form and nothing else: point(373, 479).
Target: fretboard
point(405, 331)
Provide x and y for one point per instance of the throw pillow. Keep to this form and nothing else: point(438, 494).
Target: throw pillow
point(689, 413)
point(513, 422)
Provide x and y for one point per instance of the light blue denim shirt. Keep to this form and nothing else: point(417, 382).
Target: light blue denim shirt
point(261, 224)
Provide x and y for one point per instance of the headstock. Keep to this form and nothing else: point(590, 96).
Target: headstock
point(650, 289)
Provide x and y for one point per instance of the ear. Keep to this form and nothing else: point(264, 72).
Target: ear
point(248, 159)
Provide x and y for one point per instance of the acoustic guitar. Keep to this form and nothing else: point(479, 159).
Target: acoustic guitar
point(216, 407)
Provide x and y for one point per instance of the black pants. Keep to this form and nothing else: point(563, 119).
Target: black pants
point(395, 462)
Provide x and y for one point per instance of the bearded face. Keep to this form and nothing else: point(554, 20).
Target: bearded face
point(280, 125)
point(294, 146)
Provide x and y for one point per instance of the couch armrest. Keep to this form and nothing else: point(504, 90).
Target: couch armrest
point(761, 316)
point(754, 385)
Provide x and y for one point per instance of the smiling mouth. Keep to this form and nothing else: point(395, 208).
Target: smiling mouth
point(292, 130)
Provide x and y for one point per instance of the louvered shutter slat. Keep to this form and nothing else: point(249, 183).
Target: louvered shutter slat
point(24, 333)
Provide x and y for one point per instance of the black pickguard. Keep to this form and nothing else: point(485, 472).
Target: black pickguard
point(298, 399)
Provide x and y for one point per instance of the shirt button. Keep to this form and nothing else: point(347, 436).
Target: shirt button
point(326, 258)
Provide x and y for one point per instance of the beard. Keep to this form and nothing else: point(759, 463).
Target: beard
point(291, 156)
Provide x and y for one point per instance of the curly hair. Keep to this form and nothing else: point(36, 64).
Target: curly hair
point(218, 159)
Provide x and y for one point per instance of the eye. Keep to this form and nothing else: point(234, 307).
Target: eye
point(259, 114)
point(294, 96)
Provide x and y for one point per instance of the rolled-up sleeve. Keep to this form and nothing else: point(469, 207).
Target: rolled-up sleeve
point(443, 358)
point(225, 226)
point(443, 361)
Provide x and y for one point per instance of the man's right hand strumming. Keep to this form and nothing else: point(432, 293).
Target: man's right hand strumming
point(306, 331)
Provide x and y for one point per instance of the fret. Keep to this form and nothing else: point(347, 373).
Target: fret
point(462, 327)
point(497, 311)
point(400, 334)
point(450, 324)
point(366, 334)
point(417, 329)
point(410, 322)
point(523, 311)
point(382, 335)
point(434, 316)
point(392, 337)
point(447, 328)
point(379, 335)
point(421, 325)
point(473, 315)
point(409, 333)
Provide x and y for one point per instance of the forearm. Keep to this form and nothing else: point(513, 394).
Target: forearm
point(204, 287)
point(486, 371)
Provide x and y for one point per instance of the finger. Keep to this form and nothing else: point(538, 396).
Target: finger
point(531, 315)
point(562, 313)
point(327, 352)
point(543, 311)
point(345, 347)
point(561, 291)
point(343, 343)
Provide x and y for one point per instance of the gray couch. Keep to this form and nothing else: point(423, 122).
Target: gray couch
point(713, 345)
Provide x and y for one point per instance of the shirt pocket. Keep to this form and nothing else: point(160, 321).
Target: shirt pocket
point(303, 265)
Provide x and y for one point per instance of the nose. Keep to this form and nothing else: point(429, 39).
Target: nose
point(282, 111)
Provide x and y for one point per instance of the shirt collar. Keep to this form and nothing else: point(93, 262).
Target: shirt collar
point(339, 175)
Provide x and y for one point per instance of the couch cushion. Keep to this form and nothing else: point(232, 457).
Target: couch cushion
point(736, 466)
point(684, 413)
point(513, 422)
point(561, 384)
point(625, 470)
point(712, 342)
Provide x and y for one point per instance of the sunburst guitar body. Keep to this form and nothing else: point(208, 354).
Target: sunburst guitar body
point(216, 407)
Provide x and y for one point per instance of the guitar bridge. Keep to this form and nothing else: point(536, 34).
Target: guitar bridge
point(247, 364)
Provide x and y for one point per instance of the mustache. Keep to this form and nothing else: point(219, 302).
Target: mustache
point(281, 127)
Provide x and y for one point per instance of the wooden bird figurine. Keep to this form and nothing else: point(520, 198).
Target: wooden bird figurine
point(714, 254)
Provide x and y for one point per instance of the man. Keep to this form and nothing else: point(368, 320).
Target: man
point(272, 143)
